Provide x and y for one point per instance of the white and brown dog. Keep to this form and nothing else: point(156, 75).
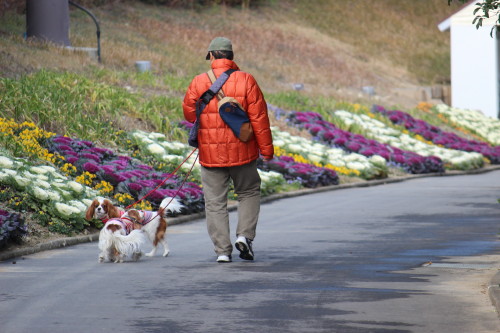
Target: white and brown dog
point(154, 224)
point(118, 240)
point(103, 209)
point(121, 239)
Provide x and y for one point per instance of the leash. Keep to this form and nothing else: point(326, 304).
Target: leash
point(163, 182)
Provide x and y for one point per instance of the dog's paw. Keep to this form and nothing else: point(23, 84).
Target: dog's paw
point(101, 259)
point(166, 253)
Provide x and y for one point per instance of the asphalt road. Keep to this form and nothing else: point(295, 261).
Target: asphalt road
point(414, 256)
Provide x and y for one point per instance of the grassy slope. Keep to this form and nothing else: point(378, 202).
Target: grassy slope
point(333, 47)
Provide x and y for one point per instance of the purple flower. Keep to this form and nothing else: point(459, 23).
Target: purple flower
point(71, 153)
point(119, 164)
point(108, 168)
point(315, 129)
point(90, 167)
point(146, 183)
point(125, 174)
point(62, 139)
point(134, 187)
point(353, 146)
point(340, 141)
point(87, 143)
point(328, 135)
point(102, 151)
point(186, 124)
point(91, 157)
point(398, 158)
point(156, 196)
point(144, 167)
point(367, 152)
point(287, 159)
point(65, 148)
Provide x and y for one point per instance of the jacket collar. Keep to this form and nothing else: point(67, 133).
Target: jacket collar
point(224, 64)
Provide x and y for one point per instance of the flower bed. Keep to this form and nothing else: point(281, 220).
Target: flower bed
point(331, 158)
point(156, 146)
point(124, 177)
point(486, 127)
point(358, 145)
point(58, 202)
point(304, 172)
point(438, 136)
point(454, 159)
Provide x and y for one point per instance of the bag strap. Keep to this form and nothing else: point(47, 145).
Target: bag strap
point(211, 76)
point(207, 96)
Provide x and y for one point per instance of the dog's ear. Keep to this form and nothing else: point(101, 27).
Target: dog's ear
point(113, 212)
point(89, 215)
point(134, 213)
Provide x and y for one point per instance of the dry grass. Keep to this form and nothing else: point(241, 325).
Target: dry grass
point(334, 47)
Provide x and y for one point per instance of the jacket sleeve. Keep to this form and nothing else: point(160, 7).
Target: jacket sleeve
point(189, 102)
point(257, 113)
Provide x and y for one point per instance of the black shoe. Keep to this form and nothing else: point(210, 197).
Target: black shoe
point(244, 245)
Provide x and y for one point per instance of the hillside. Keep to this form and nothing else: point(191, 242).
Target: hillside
point(333, 48)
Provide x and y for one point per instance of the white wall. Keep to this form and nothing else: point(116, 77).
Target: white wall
point(474, 65)
point(474, 69)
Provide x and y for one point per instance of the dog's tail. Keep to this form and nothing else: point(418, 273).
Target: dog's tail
point(170, 204)
point(129, 244)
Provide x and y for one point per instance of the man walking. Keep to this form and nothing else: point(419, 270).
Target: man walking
point(223, 157)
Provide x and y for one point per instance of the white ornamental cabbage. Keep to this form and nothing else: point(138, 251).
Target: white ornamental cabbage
point(156, 136)
point(75, 187)
point(65, 210)
point(6, 162)
point(52, 171)
point(87, 202)
point(4, 176)
point(378, 159)
point(475, 121)
point(22, 182)
point(54, 196)
point(39, 170)
point(40, 193)
point(78, 205)
point(42, 184)
point(164, 151)
point(156, 149)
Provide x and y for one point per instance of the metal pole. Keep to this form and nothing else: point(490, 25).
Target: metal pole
point(98, 31)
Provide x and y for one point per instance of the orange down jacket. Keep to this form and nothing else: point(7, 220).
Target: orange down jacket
point(218, 146)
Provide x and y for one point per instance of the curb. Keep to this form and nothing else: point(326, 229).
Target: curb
point(54, 244)
point(494, 292)
point(494, 288)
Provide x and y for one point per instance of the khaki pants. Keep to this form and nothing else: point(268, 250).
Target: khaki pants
point(246, 182)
